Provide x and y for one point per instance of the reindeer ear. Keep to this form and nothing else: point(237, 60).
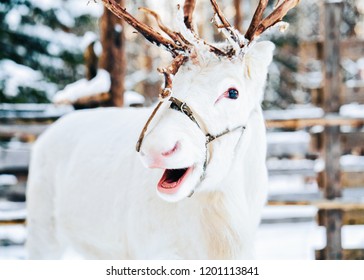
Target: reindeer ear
point(257, 60)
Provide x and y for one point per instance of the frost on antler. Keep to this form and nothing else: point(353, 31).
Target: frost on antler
point(223, 24)
point(187, 39)
point(186, 44)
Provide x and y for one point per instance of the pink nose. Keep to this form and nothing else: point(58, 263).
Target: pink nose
point(156, 159)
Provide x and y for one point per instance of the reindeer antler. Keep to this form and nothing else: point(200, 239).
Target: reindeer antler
point(225, 25)
point(188, 9)
point(282, 8)
point(258, 26)
point(169, 72)
point(177, 37)
point(148, 32)
point(257, 18)
point(181, 48)
point(178, 46)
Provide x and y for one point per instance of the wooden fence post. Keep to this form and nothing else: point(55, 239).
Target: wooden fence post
point(331, 100)
point(332, 41)
point(331, 138)
point(332, 220)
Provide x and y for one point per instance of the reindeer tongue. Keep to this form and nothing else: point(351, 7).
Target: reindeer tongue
point(171, 179)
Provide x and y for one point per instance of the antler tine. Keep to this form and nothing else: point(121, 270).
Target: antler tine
point(175, 36)
point(225, 24)
point(149, 33)
point(169, 73)
point(276, 16)
point(219, 13)
point(258, 15)
point(188, 8)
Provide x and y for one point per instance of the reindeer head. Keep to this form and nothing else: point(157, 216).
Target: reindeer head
point(194, 132)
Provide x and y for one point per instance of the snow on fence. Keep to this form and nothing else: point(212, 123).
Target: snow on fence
point(296, 147)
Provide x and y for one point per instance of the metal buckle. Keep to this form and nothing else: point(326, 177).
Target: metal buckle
point(209, 138)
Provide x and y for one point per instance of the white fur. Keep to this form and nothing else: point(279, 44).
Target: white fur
point(89, 191)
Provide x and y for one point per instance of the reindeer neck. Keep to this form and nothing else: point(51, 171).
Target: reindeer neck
point(227, 215)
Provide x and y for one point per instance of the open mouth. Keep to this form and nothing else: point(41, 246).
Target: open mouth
point(172, 179)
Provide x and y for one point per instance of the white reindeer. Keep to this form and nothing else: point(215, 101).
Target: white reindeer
point(204, 147)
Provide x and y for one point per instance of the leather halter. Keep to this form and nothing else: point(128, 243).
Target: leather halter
point(182, 107)
point(178, 105)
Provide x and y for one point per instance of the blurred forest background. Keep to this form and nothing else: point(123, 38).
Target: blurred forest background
point(61, 55)
point(46, 45)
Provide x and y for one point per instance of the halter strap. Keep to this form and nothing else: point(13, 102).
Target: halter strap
point(182, 107)
point(144, 130)
point(178, 105)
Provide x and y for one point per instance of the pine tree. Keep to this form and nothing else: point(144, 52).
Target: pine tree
point(41, 46)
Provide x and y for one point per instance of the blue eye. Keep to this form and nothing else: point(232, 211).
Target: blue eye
point(233, 93)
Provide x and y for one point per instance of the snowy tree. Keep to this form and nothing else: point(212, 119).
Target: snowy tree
point(41, 46)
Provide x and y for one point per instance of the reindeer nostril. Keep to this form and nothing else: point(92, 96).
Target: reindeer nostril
point(171, 151)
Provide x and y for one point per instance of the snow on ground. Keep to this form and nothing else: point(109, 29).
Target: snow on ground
point(289, 241)
point(275, 240)
point(298, 240)
point(12, 253)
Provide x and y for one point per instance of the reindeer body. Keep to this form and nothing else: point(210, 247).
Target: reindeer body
point(89, 190)
point(111, 211)
point(200, 192)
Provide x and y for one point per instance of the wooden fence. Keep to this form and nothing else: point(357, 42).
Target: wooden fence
point(337, 135)
point(340, 134)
